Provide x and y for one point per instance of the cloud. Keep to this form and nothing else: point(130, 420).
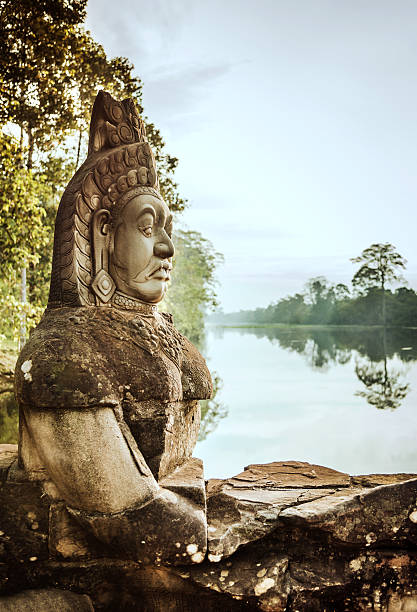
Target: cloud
point(140, 30)
point(178, 89)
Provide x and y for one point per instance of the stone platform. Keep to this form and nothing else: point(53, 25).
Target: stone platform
point(284, 536)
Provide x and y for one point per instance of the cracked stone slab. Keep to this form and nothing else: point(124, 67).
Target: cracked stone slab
point(367, 517)
point(246, 507)
point(375, 480)
point(289, 474)
point(238, 516)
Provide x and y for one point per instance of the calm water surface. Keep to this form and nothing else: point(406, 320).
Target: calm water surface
point(342, 398)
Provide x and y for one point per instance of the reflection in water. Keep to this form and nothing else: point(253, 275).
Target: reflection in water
point(372, 349)
point(383, 389)
point(212, 411)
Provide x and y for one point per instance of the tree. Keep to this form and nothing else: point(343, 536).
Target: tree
point(22, 229)
point(50, 72)
point(380, 265)
point(193, 289)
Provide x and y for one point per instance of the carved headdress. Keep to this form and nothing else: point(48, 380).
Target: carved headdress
point(119, 166)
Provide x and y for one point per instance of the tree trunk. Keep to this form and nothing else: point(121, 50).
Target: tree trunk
point(22, 334)
point(31, 144)
point(80, 136)
point(384, 314)
point(23, 292)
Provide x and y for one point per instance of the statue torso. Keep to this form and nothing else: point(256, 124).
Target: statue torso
point(137, 363)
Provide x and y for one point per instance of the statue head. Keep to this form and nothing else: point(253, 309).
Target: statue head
point(113, 228)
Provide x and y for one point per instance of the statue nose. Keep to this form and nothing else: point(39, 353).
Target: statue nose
point(164, 249)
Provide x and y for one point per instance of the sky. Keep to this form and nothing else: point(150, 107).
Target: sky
point(295, 123)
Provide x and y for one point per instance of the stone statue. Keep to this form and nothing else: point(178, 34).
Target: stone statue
point(108, 389)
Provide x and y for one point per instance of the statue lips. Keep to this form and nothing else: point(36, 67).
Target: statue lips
point(161, 272)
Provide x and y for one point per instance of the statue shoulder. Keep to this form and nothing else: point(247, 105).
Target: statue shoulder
point(195, 375)
point(196, 378)
point(63, 365)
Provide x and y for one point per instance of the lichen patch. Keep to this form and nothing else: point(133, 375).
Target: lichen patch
point(413, 516)
point(263, 586)
point(191, 549)
point(26, 368)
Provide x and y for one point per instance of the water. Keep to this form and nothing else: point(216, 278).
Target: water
point(293, 394)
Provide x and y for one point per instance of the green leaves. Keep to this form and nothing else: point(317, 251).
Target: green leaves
point(193, 289)
point(380, 264)
point(22, 229)
point(50, 72)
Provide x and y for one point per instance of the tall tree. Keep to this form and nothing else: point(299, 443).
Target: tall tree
point(193, 289)
point(22, 229)
point(50, 72)
point(380, 265)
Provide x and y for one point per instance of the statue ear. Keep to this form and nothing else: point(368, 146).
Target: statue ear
point(103, 285)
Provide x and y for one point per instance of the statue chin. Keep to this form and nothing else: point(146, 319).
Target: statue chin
point(152, 291)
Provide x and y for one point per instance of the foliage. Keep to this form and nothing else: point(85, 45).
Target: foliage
point(50, 71)
point(324, 303)
point(193, 290)
point(380, 263)
point(22, 229)
point(9, 418)
point(38, 43)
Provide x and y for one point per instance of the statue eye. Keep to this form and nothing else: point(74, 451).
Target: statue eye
point(146, 230)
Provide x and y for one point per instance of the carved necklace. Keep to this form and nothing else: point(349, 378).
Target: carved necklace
point(127, 302)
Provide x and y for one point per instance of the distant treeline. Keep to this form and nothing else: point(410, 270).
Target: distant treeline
point(323, 303)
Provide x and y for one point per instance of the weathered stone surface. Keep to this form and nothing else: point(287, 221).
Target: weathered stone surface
point(292, 474)
point(188, 482)
point(46, 600)
point(170, 530)
point(365, 517)
point(80, 357)
point(312, 555)
point(165, 432)
point(260, 578)
point(242, 515)
point(374, 480)
point(24, 523)
point(246, 507)
point(67, 539)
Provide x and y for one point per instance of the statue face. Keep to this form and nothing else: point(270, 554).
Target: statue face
point(141, 250)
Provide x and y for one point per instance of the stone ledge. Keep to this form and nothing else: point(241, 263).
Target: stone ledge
point(337, 543)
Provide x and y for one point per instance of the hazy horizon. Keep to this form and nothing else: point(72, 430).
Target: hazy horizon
point(294, 123)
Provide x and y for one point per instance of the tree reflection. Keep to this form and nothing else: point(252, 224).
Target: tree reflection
point(384, 390)
point(373, 350)
point(212, 411)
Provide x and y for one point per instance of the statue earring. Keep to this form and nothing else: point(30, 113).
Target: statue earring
point(102, 285)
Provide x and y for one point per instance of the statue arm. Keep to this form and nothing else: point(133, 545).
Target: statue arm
point(109, 488)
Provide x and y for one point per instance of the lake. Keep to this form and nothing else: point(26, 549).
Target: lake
point(345, 398)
